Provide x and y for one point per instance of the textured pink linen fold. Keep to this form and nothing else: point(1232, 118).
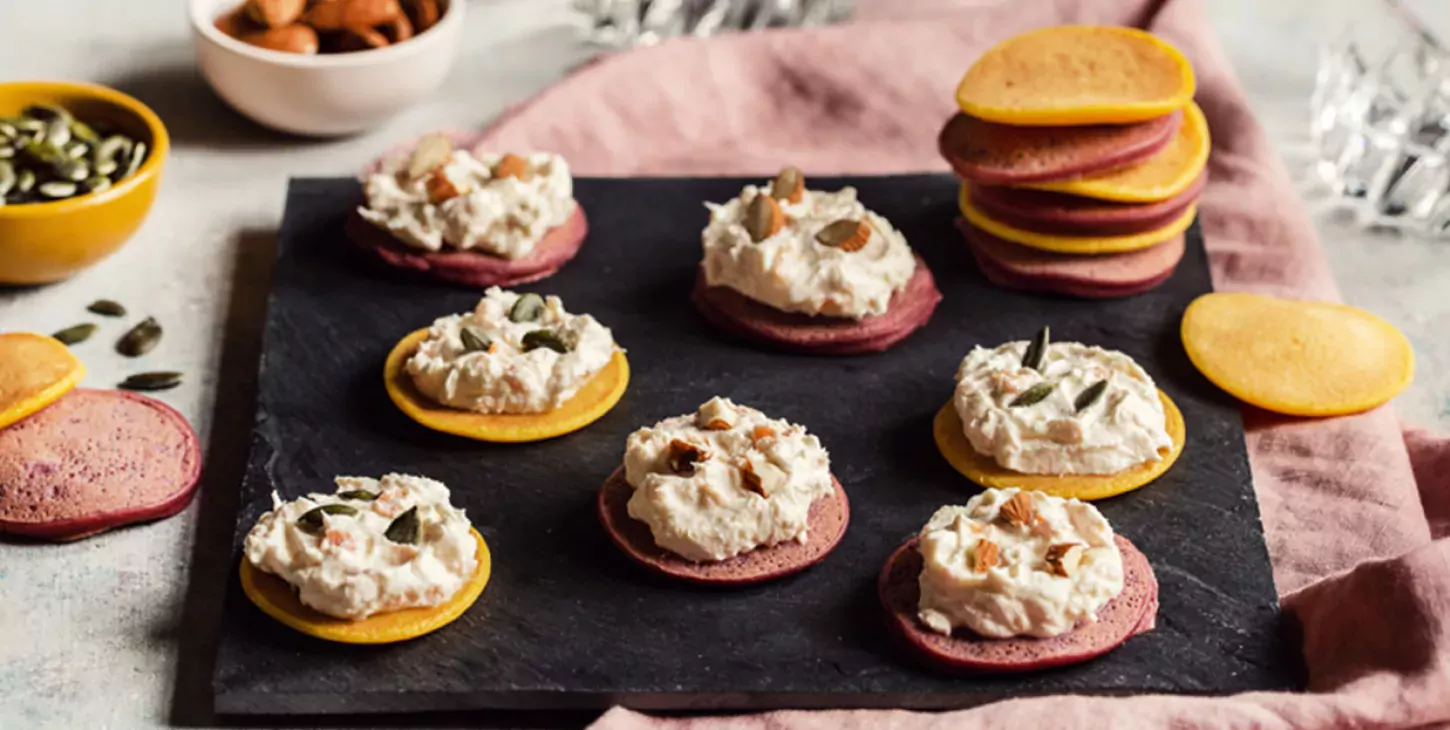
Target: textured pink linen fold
point(1349, 504)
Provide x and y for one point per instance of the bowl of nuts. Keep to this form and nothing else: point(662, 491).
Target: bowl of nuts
point(79, 168)
point(325, 67)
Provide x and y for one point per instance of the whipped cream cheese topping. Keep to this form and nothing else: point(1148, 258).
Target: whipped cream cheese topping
point(1001, 569)
point(514, 373)
point(346, 566)
point(792, 271)
point(725, 480)
point(505, 216)
point(1124, 428)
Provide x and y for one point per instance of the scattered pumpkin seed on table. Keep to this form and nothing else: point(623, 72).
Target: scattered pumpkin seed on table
point(75, 334)
point(160, 380)
point(107, 308)
point(141, 339)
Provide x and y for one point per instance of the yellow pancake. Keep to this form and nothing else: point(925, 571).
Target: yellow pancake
point(1077, 74)
point(1085, 245)
point(985, 471)
point(278, 599)
point(1297, 358)
point(587, 406)
point(1159, 177)
point(35, 371)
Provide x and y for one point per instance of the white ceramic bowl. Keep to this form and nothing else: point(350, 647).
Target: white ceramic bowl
point(323, 95)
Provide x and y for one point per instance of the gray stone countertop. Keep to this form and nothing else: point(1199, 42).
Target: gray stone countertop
point(109, 632)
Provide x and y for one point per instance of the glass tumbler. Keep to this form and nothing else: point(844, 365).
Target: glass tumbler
point(1381, 121)
point(622, 23)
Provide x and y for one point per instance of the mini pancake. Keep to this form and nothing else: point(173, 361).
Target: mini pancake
point(1077, 74)
point(1162, 176)
point(1082, 245)
point(1132, 612)
point(999, 154)
point(984, 470)
point(590, 404)
point(472, 268)
point(828, 519)
point(94, 460)
point(278, 599)
point(35, 371)
point(1297, 358)
point(1040, 211)
point(1095, 277)
point(742, 316)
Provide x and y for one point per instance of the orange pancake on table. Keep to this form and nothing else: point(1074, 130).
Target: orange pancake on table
point(1077, 74)
point(1297, 358)
point(1160, 177)
point(587, 406)
point(984, 470)
point(35, 371)
point(278, 599)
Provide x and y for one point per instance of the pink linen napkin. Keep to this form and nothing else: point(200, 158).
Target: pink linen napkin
point(1351, 542)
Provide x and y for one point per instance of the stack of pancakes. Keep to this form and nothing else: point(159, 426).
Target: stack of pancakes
point(1082, 157)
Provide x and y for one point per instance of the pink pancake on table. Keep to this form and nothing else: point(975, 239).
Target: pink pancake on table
point(1102, 276)
point(94, 460)
point(740, 315)
point(1133, 612)
point(1048, 212)
point(999, 154)
point(472, 268)
point(827, 525)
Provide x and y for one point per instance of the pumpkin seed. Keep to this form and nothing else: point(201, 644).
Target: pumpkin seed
point(7, 152)
point(474, 340)
point(358, 494)
point(138, 155)
point(788, 184)
point(24, 181)
point(77, 150)
point(843, 234)
point(544, 338)
point(140, 339)
point(7, 177)
point(405, 530)
point(76, 333)
point(57, 133)
point(107, 307)
point(762, 218)
point(527, 308)
point(84, 132)
point(311, 521)
point(104, 155)
point(30, 126)
point(159, 380)
point(8, 130)
point(1036, 352)
point(1090, 395)
point(96, 183)
point(1033, 395)
point(432, 151)
point(57, 189)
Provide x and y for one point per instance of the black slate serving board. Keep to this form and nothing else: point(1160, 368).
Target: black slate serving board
point(568, 622)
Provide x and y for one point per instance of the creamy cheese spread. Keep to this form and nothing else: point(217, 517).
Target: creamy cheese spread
point(344, 565)
point(792, 271)
point(513, 374)
point(1000, 577)
point(725, 480)
point(502, 216)
point(1124, 428)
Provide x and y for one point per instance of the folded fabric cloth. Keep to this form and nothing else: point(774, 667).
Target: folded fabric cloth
point(1351, 543)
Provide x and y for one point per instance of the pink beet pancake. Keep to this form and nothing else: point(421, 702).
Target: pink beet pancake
point(1098, 276)
point(828, 519)
point(738, 314)
point(1048, 212)
point(1132, 612)
point(470, 268)
point(1000, 154)
point(95, 460)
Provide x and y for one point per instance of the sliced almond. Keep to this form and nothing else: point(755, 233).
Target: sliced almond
point(432, 152)
point(847, 234)
point(789, 185)
point(763, 218)
point(1064, 559)
point(342, 14)
point(440, 188)
point(762, 432)
point(716, 415)
point(986, 555)
point(683, 456)
point(512, 165)
point(764, 478)
point(275, 13)
point(1019, 510)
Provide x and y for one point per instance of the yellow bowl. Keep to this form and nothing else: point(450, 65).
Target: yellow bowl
point(45, 242)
